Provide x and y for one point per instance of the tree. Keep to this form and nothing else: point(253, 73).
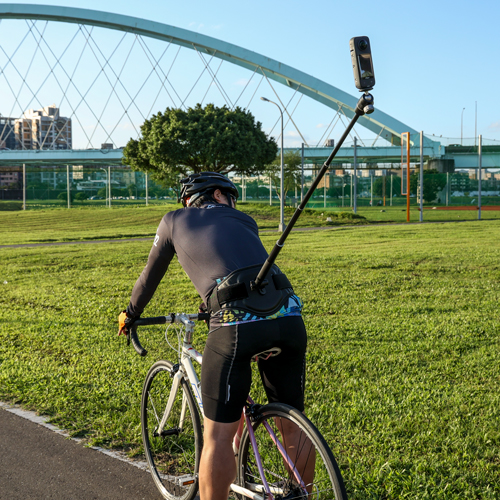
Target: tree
point(81, 196)
point(433, 183)
point(179, 142)
point(131, 190)
point(378, 186)
point(64, 196)
point(292, 161)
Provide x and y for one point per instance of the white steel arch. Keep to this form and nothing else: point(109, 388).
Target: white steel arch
point(380, 123)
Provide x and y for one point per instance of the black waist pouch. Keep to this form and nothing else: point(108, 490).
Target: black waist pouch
point(234, 292)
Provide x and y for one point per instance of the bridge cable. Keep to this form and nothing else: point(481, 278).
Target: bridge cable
point(108, 137)
point(214, 77)
point(153, 70)
point(25, 83)
point(379, 134)
point(113, 87)
point(2, 72)
point(336, 115)
point(295, 125)
point(165, 76)
point(253, 95)
point(210, 85)
point(82, 96)
point(51, 71)
point(246, 85)
point(194, 85)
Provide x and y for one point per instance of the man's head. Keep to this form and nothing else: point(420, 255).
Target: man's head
point(207, 187)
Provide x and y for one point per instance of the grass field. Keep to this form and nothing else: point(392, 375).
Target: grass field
point(87, 223)
point(403, 361)
point(44, 226)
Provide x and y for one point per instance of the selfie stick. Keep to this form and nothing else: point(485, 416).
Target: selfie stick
point(364, 106)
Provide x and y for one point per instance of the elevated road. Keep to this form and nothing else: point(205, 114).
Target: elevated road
point(464, 156)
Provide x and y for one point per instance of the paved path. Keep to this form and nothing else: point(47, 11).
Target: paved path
point(37, 463)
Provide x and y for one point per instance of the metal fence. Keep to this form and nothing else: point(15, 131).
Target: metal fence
point(77, 186)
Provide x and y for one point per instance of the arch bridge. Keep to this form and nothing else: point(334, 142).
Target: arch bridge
point(381, 124)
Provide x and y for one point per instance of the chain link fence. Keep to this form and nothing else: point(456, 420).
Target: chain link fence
point(47, 187)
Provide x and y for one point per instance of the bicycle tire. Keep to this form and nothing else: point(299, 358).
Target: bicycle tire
point(327, 482)
point(173, 457)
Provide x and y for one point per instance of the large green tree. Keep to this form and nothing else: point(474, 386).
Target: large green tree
point(178, 142)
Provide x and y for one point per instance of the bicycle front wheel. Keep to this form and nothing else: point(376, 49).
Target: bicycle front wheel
point(310, 471)
point(173, 453)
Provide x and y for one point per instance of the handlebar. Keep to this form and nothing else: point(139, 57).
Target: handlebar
point(186, 319)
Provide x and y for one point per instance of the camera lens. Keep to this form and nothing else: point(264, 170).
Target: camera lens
point(363, 44)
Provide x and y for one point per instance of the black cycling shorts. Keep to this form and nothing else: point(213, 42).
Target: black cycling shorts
point(226, 374)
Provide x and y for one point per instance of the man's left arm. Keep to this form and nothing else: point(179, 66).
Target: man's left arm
point(159, 259)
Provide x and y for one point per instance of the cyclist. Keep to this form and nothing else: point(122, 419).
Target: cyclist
point(219, 249)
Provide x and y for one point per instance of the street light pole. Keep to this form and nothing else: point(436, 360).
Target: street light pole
point(462, 128)
point(281, 226)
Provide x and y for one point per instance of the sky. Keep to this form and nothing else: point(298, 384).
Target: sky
point(432, 59)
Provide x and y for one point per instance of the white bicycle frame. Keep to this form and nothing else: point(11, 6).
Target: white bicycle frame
point(186, 370)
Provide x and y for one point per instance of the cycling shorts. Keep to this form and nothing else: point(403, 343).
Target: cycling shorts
point(226, 373)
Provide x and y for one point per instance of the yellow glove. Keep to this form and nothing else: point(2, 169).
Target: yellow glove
point(124, 322)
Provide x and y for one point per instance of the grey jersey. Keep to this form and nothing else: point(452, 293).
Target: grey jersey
point(210, 243)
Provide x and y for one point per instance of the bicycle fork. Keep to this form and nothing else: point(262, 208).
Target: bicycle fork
point(173, 393)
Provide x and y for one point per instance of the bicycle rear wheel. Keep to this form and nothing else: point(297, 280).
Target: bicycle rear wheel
point(173, 457)
point(313, 459)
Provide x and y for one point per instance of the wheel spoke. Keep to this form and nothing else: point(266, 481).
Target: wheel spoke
point(173, 456)
point(312, 464)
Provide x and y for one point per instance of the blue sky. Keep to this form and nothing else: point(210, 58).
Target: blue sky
point(431, 59)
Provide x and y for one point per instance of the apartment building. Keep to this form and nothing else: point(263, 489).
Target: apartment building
point(7, 135)
point(43, 129)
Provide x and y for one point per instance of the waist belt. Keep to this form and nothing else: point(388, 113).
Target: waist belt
point(234, 292)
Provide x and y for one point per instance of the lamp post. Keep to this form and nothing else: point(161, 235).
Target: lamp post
point(281, 226)
point(462, 128)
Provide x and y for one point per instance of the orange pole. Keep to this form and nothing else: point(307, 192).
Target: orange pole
point(408, 179)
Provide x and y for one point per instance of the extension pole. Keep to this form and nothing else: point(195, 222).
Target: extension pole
point(355, 204)
point(302, 175)
point(364, 106)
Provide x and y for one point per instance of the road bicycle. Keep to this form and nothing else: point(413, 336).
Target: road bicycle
point(268, 466)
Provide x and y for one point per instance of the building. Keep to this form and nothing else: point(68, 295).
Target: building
point(43, 129)
point(11, 178)
point(7, 134)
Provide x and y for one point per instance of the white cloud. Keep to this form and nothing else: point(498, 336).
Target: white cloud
point(321, 125)
point(241, 82)
point(292, 133)
point(495, 125)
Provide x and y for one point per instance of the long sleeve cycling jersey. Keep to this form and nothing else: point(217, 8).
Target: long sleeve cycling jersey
point(210, 243)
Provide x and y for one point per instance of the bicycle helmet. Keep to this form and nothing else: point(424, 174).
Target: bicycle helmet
point(197, 184)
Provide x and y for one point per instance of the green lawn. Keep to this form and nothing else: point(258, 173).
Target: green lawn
point(403, 363)
point(52, 225)
point(91, 223)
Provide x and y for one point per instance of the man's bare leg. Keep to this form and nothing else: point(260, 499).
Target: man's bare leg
point(217, 465)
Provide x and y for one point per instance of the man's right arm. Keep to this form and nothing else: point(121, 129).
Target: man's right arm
point(159, 259)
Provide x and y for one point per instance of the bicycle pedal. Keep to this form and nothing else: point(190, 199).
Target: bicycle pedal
point(169, 432)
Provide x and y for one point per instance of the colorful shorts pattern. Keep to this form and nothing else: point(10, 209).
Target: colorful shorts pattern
point(227, 317)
